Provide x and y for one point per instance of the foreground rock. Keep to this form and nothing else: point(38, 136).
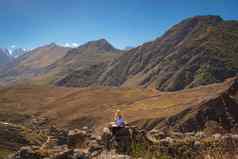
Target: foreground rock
point(79, 144)
point(135, 143)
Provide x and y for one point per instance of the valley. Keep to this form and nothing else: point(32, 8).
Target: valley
point(94, 107)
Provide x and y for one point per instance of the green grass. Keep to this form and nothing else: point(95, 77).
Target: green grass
point(163, 157)
point(138, 150)
point(4, 153)
point(33, 137)
point(205, 74)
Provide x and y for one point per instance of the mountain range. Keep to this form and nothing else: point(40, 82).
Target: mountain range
point(48, 63)
point(197, 51)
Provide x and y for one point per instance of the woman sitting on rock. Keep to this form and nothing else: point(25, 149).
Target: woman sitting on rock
point(118, 124)
point(119, 120)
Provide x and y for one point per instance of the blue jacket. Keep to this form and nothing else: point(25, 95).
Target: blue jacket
point(120, 122)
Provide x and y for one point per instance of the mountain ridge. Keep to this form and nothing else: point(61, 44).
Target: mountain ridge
point(198, 50)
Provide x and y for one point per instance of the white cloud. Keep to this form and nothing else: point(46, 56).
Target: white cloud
point(70, 44)
point(67, 45)
point(75, 45)
point(13, 46)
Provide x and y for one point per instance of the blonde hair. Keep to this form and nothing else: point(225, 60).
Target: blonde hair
point(117, 114)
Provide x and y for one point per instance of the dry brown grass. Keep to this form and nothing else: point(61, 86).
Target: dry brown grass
point(78, 106)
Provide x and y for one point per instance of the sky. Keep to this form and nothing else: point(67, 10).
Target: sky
point(32, 23)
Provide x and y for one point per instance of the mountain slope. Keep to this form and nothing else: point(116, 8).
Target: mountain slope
point(98, 52)
point(88, 54)
point(197, 51)
point(43, 56)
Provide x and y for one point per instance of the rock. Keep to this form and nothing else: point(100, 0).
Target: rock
point(50, 142)
point(93, 137)
point(123, 140)
point(106, 130)
point(200, 134)
point(234, 136)
point(64, 154)
point(197, 144)
point(189, 134)
point(167, 140)
point(177, 134)
point(78, 154)
point(85, 128)
point(157, 133)
point(120, 157)
point(27, 153)
point(106, 139)
point(152, 138)
point(77, 138)
point(161, 135)
point(217, 136)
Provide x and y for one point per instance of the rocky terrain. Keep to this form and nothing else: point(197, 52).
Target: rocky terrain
point(197, 51)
